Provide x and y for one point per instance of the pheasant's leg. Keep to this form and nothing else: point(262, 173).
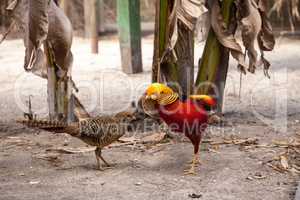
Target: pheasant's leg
point(99, 156)
point(163, 127)
point(195, 162)
point(106, 163)
point(98, 159)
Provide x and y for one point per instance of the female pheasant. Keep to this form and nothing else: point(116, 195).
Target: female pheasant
point(189, 117)
point(98, 131)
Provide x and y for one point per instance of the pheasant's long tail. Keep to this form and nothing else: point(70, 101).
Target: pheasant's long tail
point(51, 126)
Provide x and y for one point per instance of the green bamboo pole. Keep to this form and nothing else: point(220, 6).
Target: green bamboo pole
point(129, 24)
point(212, 54)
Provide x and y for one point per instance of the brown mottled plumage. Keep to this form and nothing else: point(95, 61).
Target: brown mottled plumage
point(98, 131)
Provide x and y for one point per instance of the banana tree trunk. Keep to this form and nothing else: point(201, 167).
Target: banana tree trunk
point(165, 71)
point(213, 65)
point(179, 73)
point(44, 29)
point(185, 54)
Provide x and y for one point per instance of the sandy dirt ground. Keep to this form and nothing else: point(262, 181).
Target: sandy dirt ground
point(32, 168)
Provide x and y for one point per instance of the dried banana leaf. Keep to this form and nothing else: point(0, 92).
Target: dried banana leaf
point(38, 21)
point(187, 12)
point(266, 40)
point(255, 27)
point(225, 37)
point(173, 54)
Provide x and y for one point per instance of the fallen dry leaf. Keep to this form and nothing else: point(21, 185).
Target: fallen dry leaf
point(48, 157)
point(276, 168)
point(154, 138)
point(294, 171)
point(69, 150)
point(257, 176)
point(248, 141)
point(284, 162)
point(214, 119)
point(34, 182)
point(213, 150)
point(128, 139)
point(297, 167)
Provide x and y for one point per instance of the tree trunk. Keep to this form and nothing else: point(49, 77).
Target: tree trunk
point(101, 16)
point(165, 71)
point(59, 90)
point(181, 72)
point(185, 53)
point(91, 23)
point(213, 65)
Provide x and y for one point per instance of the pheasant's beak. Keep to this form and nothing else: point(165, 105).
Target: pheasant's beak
point(152, 96)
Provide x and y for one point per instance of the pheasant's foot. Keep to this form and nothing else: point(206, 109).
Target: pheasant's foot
point(99, 167)
point(105, 162)
point(103, 168)
point(190, 171)
point(164, 128)
point(194, 163)
point(98, 157)
point(196, 160)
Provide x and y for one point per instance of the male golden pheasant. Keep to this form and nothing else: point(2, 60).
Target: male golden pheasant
point(99, 131)
point(189, 117)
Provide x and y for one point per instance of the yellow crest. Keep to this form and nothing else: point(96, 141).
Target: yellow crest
point(158, 88)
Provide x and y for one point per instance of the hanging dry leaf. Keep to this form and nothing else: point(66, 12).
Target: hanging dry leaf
point(291, 7)
point(255, 28)
point(188, 11)
point(277, 6)
point(295, 11)
point(250, 26)
point(224, 36)
point(33, 18)
point(12, 5)
point(185, 12)
point(37, 33)
point(266, 40)
point(202, 27)
point(18, 10)
point(38, 21)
